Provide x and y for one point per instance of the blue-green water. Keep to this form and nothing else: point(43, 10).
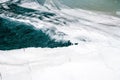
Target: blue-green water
point(17, 35)
point(102, 5)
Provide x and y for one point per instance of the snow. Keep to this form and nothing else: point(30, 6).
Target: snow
point(96, 57)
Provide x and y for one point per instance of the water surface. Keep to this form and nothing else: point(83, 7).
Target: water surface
point(101, 5)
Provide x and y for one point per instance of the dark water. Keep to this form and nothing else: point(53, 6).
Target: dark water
point(17, 35)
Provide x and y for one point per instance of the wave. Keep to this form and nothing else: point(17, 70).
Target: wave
point(17, 35)
point(47, 18)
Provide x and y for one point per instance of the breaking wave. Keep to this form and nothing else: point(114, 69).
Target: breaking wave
point(17, 33)
point(38, 23)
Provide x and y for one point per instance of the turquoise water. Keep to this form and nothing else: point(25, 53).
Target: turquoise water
point(17, 35)
point(102, 5)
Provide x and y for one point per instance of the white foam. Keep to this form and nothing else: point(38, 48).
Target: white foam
point(96, 57)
